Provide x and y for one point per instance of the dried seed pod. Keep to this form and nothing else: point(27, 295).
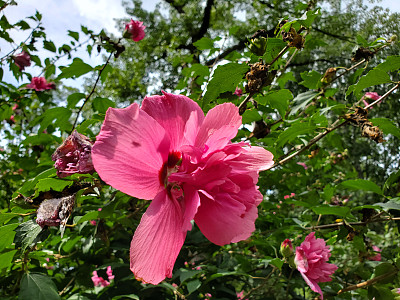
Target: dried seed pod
point(359, 118)
point(362, 53)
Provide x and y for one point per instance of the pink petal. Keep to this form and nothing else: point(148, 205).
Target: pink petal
point(192, 203)
point(225, 220)
point(253, 159)
point(130, 151)
point(157, 240)
point(179, 115)
point(224, 115)
point(313, 285)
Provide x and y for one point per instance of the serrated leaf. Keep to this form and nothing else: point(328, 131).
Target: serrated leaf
point(102, 104)
point(37, 287)
point(7, 234)
point(374, 77)
point(26, 234)
point(387, 126)
point(278, 100)
point(340, 211)
point(6, 259)
point(59, 116)
point(48, 184)
point(30, 184)
point(363, 185)
point(392, 63)
point(74, 98)
point(225, 79)
point(302, 100)
point(76, 69)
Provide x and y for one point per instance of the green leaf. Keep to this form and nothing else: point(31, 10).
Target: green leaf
point(204, 43)
point(251, 115)
point(7, 234)
point(31, 183)
point(76, 69)
point(308, 17)
point(385, 268)
point(391, 204)
point(393, 178)
point(48, 184)
point(278, 100)
point(36, 286)
point(186, 274)
point(340, 211)
point(92, 215)
point(102, 104)
point(74, 35)
point(392, 63)
point(225, 79)
point(59, 116)
point(6, 259)
point(49, 45)
point(293, 132)
point(363, 185)
point(387, 126)
point(193, 285)
point(74, 98)
point(26, 234)
point(374, 77)
point(311, 80)
point(107, 69)
point(274, 46)
point(302, 100)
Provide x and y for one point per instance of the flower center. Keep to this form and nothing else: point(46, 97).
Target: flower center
point(170, 166)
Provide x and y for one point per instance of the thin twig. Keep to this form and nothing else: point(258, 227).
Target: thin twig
point(23, 43)
point(92, 91)
point(334, 126)
point(261, 285)
point(368, 282)
point(242, 106)
point(326, 226)
point(68, 284)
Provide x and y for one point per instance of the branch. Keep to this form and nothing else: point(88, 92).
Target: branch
point(334, 126)
point(327, 226)
point(368, 282)
point(340, 37)
point(206, 22)
point(239, 46)
point(92, 91)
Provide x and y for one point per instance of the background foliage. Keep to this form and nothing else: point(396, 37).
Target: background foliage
point(347, 191)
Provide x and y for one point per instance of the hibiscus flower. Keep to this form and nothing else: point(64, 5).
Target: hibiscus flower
point(168, 152)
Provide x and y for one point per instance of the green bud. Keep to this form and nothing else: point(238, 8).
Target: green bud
point(258, 45)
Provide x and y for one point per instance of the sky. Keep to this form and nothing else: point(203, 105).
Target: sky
point(62, 15)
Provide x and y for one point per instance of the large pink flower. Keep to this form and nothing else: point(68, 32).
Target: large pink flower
point(168, 152)
point(311, 261)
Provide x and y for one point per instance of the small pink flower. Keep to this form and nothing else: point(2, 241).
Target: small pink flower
point(93, 222)
point(292, 195)
point(99, 209)
point(22, 60)
point(198, 268)
point(303, 165)
point(398, 291)
point(73, 156)
point(169, 152)
point(15, 107)
point(109, 273)
point(12, 119)
point(371, 96)
point(240, 296)
point(40, 84)
point(286, 197)
point(311, 261)
point(99, 281)
point(208, 295)
point(238, 92)
point(135, 30)
point(175, 285)
point(377, 256)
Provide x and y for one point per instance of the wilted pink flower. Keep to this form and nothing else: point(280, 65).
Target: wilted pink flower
point(40, 84)
point(135, 30)
point(73, 156)
point(370, 95)
point(377, 256)
point(311, 261)
point(303, 165)
point(166, 150)
point(22, 60)
point(238, 92)
point(99, 281)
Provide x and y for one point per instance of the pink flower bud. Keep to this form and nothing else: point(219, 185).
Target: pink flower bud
point(377, 256)
point(73, 156)
point(238, 92)
point(303, 165)
point(22, 60)
point(134, 30)
point(287, 248)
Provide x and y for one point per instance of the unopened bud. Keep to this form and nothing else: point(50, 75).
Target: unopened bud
point(287, 248)
point(393, 38)
point(258, 45)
